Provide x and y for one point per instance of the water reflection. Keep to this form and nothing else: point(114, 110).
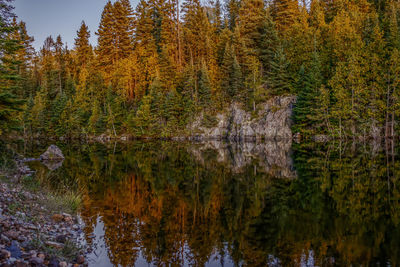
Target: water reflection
point(219, 204)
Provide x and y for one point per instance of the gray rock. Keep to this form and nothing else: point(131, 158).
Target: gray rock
point(36, 261)
point(321, 138)
point(52, 153)
point(272, 122)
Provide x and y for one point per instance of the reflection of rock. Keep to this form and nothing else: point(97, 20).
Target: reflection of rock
point(52, 164)
point(52, 153)
point(273, 158)
point(272, 122)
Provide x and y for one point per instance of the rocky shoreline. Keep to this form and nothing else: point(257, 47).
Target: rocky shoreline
point(32, 232)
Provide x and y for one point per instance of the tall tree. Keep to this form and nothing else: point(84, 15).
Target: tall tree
point(10, 104)
point(83, 49)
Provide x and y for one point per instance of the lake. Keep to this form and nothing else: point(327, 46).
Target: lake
point(216, 204)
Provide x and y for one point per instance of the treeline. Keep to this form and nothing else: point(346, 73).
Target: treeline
point(156, 67)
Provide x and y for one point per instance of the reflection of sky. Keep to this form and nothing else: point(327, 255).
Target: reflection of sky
point(99, 257)
point(60, 17)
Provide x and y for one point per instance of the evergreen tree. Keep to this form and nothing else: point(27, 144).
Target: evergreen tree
point(204, 86)
point(142, 122)
point(232, 74)
point(279, 79)
point(307, 109)
point(10, 104)
point(232, 7)
point(106, 49)
point(284, 12)
point(83, 48)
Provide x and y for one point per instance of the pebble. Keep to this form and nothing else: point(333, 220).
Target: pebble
point(80, 259)
point(36, 261)
point(57, 217)
point(54, 244)
point(61, 238)
point(5, 254)
point(12, 234)
point(21, 264)
point(17, 231)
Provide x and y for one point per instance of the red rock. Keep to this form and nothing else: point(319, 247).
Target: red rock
point(57, 217)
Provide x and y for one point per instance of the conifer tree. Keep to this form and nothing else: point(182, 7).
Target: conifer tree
point(232, 74)
point(279, 79)
point(232, 7)
point(307, 109)
point(10, 104)
point(284, 13)
point(106, 49)
point(83, 48)
point(204, 86)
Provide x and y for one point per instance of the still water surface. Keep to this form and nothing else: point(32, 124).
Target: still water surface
point(217, 204)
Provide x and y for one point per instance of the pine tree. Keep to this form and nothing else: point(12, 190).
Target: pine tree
point(218, 16)
point(268, 43)
point(204, 86)
point(10, 104)
point(123, 28)
point(106, 50)
point(232, 7)
point(142, 122)
point(83, 48)
point(232, 74)
point(350, 94)
point(307, 109)
point(284, 13)
point(279, 79)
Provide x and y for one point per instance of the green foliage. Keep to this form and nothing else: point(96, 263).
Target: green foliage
point(279, 79)
point(307, 112)
point(154, 70)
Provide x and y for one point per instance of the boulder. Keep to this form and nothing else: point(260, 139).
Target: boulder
point(52, 153)
point(271, 122)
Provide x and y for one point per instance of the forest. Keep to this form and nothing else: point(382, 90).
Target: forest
point(159, 64)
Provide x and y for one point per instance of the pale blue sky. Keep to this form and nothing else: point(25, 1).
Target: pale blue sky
point(54, 17)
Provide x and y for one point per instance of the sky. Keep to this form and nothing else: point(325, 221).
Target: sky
point(59, 17)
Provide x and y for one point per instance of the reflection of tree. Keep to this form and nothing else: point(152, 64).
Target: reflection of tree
point(173, 206)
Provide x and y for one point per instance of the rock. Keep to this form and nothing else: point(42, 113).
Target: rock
point(54, 263)
point(12, 234)
point(41, 255)
point(67, 217)
point(80, 259)
point(52, 153)
point(4, 238)
point(53, 165)
point(54, 244)
point(321, 138)
point(15, 250)
point(61, 239)
point(57, 218)
point(21, 264)
point(36, 261)
point(272, 122)
point(5, 254)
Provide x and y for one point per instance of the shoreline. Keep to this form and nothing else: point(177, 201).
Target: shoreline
point(37, 227)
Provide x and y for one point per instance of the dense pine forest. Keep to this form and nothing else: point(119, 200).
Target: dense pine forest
point(158, 65)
